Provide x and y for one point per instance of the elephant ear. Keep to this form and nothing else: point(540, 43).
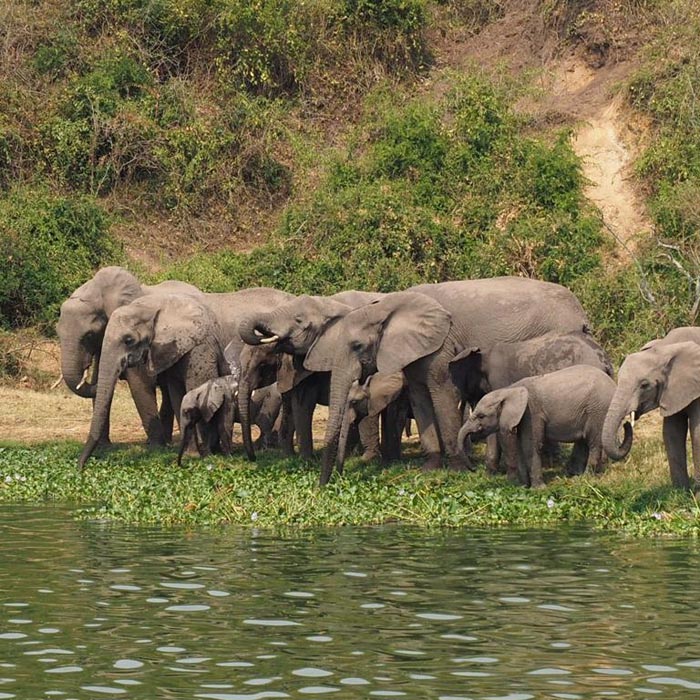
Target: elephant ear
point(290, 373)
point(383, 390)
point(212, 399)
point(651, 344)
point(118, 287)
point(683, 377)
point(513, 407)
point(414, 325)
point(324, 349)
point(180, 324)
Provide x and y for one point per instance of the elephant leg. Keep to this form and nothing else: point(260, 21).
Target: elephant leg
point(579, 458)
point(369, 438)
point(422, 406)
point(551, 453)
point(536, 430)
point(524, 440)
point(224, 424)
point(509, 447)
point(596, 458)
point(493, 453)
point(693, 411)
point(446, 397)
point(143, 392)
point(675, 431)
point(303, 410)
point(286, 429)
point(166, 415)
point(393, 420)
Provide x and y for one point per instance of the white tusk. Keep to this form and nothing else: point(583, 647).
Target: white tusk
point(271, 339)
point(633, 416)
point(258, 333)
point(84, 379)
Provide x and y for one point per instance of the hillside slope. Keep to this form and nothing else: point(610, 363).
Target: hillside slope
point(337, 143)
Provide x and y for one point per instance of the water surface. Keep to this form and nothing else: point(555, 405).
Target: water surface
point(89, 610)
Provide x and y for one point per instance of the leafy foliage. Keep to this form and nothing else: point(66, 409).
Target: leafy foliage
point(132, 485)
point(48, 247)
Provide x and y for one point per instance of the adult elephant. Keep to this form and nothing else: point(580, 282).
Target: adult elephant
point(277, 341)
point(81, 328)
point(664, 374)
point(419, 331)
point(176, 337)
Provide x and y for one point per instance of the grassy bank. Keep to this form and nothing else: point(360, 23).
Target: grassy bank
point(131, 485)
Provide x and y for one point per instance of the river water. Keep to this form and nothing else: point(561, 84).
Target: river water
point(91, 610)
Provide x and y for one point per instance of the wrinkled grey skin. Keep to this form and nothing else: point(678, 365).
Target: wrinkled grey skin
point(175, 336)
point(265, 407)
point(81, 328)
point(568, 405)
point(278, 340)
point(476, 372)
point(665, 374)
point(206, 414)
point(419, 331)
point(380, 395)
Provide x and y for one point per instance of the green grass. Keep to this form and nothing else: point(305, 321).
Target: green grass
point(132, 485)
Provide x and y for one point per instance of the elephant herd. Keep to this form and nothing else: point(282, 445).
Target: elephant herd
point(508, 359)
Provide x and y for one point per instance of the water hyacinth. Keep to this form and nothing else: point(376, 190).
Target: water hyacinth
point(136, 485)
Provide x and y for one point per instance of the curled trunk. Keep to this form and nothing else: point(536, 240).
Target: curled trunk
point(248, 326)
point(619, 408)
point(462, 436)
point(74, 362)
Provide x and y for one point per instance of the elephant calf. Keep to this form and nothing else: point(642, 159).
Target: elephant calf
point(207, 414)
point(384, 395)
point(569, 405)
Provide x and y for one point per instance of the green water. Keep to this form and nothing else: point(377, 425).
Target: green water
point(89, 610)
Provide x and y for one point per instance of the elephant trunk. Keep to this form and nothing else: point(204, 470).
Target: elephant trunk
point(111, 366)
point(244, 399)
point(253, 329)
point(341, 382)
point(348, 421)
point(618, 409)
point(75, 361)
point(186, 426)
point(463, 435)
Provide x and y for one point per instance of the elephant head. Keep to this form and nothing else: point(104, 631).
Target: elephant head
point(82, 322)
point(368, 399)
point(290, 328)
point(659, 376)
point(202, 404)
point(157, 330)
point(500, 410)
point(384, 336)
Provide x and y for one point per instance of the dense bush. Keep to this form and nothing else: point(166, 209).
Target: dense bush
point(444, 192)
point(49, 246)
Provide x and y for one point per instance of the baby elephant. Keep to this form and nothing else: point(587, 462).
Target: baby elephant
point(207, 414)
point(564, 406)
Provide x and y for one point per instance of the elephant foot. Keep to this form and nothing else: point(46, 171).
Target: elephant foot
point(537, 485)
point(432, 462)
point(460, 463)
point(369, 456)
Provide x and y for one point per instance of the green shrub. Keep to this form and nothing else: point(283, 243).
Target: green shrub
point(49, 246)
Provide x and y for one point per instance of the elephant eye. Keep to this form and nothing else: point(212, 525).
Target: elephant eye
point(129, 340)
point(356, 345)
point(644, 384)
point(299, 319)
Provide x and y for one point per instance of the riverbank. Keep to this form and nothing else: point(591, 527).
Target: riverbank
point(131, 484)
